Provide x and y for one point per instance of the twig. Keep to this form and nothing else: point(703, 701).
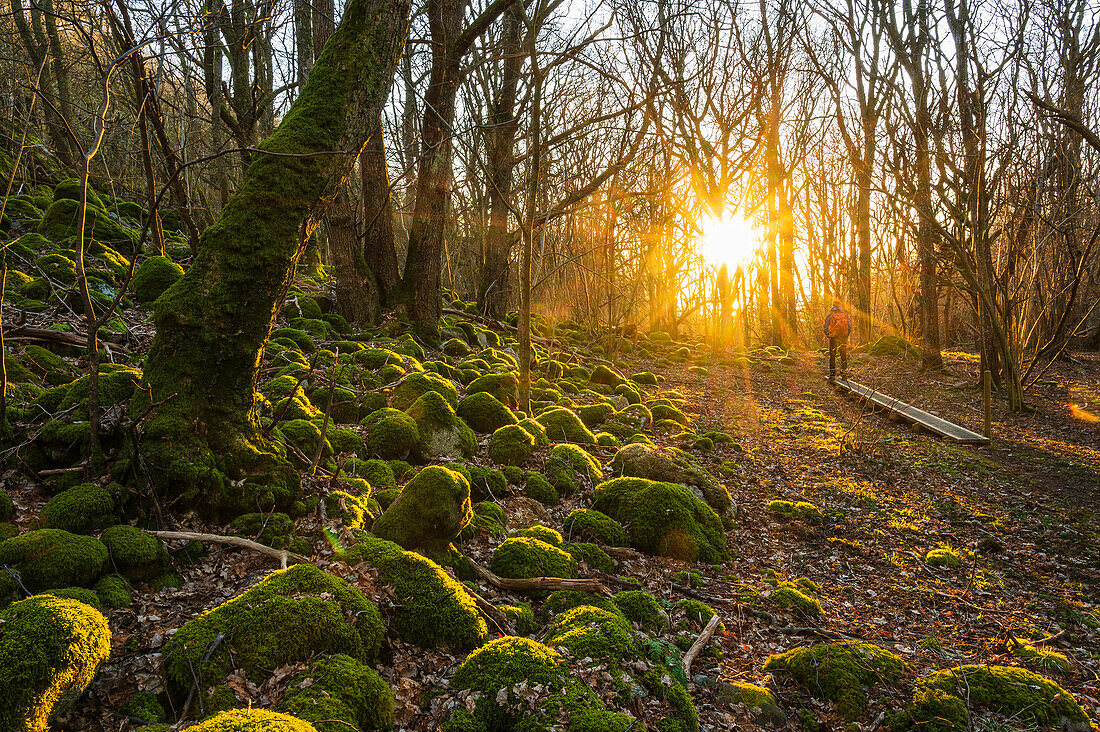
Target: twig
point(700, 642)
point(499, 619)
point(281, 554)
point(539, 583)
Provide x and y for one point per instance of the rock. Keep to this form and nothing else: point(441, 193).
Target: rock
point(443, 435)
point(416, 385)
point(50, 648)
point(563, 425)
point(51, 558)
point(511, 445)
point(502, 386)
point(391, 434)
point(591, 525)
point(337, 694)
point(135, 554)
point(484, 412)
point(753, 697)
point(641, 461)
point(523, 557)
point(82, 509)
point(153, 277)
point(566, 464)
point(429, 512)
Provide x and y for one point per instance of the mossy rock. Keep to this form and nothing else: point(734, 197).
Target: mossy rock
point(46, 365)
point(433, 609)
point(638, 606)
point(306, 437)
point(591, 555)
point(51, 558)
point(663, 519)
point(488, 518)
point(50, 649)
point(753, 697)
point(566, 464)
point(253, 720)
point(1011, 692)
point(113, 592)
point(501, 386)
point(275, 530)
point(561, 601)
point(511, 445)
point(391, 434)
point(645, 377)
point(1044, 659)
point(337, 693)
point(563, 425)
point(153, 277)
point(793, 600)
point(542, 533)
point(135, 554)
point(524, 557)
point(839, 672)
point(698, 613)
point(485, 413)
point(591, 525)
point(643, 461)
point(591, 632)
point(594, 415)
point(86, 596)
point(943, 557)
point(376, 472)
point(286, 618)
point(429, 513)
point(538, 487)
point(145, 706)
point(601, 374)
point(7, 507)
point(416, 385)
point(536, 430)
point(802, 511)
point(82, 509)
point(354, 512)
point(443, 435)
point(497, 670)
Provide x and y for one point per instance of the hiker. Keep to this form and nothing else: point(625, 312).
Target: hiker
point(837, 329)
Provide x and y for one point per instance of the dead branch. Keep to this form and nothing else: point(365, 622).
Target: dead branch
point(700, 643)
point(499, 619)
point(281, 554)
point(539, 583)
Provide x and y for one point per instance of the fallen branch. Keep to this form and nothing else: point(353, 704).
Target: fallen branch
point(499, 619)
point(42, 335)
point(539, 583)
point(699, 644)
point(281, 554)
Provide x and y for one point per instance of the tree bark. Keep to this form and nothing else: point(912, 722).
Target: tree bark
point(202, 438)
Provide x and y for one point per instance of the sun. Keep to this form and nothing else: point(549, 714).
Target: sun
point(730, 240)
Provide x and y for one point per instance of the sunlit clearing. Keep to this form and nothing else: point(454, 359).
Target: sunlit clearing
point(730, 240)
point(1080, 413)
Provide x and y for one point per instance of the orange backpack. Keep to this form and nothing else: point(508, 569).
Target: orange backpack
point(837, 325)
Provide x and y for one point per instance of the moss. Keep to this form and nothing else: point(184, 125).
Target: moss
point(7, 507)
point(663, 519)
point(522, 617)
point(801, 511)
point(344, 441)
point(81, 509)
point(536, 430)
point(839, 672)
point(376, 472)
point(352, 511)
point(275, 530)
point(145, 706)
point(932, 710)
point(57, 267)
point(430, 511)
point(488, 518)
point(601, 374)
point(50, 558)
point(153, 277)
point(391, 434)
point(542, 533)
point(644, 377)
point(287, 617)
point(47, 365)
point(561, 601)
point(306, 437)
point(668, 412)
point(643, 461)
point(942, 557)
point(590, 632)
point(538, 487)
point(77, 593)
point(592, 555)
point(50, 648)
point(595, 414)
point(433, 609)
point(1041, 658)
point(511, 445)
point(502, 386)
point(640, 607)
point(796, 602)
point(523, 557)
point(415, 385)
point(442, 434)
point(506, 671)
point(484, 412)
point(299, 338)
point(253, 720)
point(564, 425)
point(485, 482)
point(135, 554)
point(113, 592)
point(338, 690)
point(1012, 692)
point(589, 524)
point(698, 613)
point(567, 462)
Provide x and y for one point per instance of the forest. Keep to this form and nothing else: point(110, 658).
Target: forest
point(549, 365)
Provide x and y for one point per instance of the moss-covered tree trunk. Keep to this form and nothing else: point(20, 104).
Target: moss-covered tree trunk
point(201, 436)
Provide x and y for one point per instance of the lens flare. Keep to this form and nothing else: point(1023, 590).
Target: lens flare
point(730, 240)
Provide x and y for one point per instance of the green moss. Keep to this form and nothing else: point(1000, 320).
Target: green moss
point(391, 434)
point(135, 554)
point(589, 524)
point(536, 430)
point(306, 437)
point(564, 425)
point(538, 487)
point(338, 690)
point(153, 277)
point(594, 415)
point(113, 592)
point(415, 385)
point(1041, 658)
point(77, 593)
point(433, 609)
point(50, 558)
point(145, 706)
point(501, 386)
point(663, 519)
point(542, 533)
point(352, 511)
point(376, 472)
point(568, 462)
point(81, 509)
point(484, 412)
point(47, 365)
point(7, 507)
point(796, 602)
point(287, 617)
point(488, 518)
point(641, 607)
point(1013, 692)
point(429, 513)
point(253, 720)
point(801, 511)
point(669, 466)
point(603, 375)
point(839, 672)
point(592, 555)
point(523, 557)
point(299, 338)
point(510, 445)
point(943, 557)
point(590, 632)
point(442, 434)
point(275, 530)
point(932, 710)
point(522, 617)
point(644, 377)
point(698, 613)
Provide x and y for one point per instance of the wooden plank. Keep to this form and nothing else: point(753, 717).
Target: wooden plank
point(931, 422)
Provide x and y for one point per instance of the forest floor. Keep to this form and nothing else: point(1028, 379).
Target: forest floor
point(1023, 513)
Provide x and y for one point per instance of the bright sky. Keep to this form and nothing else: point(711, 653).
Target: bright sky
point(730, 240)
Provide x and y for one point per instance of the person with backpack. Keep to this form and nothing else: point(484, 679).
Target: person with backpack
point(837, 329)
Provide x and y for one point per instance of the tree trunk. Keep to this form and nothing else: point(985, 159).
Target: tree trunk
point(202, 436)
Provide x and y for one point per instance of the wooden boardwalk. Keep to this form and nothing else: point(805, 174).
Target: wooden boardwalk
point(911, 414)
